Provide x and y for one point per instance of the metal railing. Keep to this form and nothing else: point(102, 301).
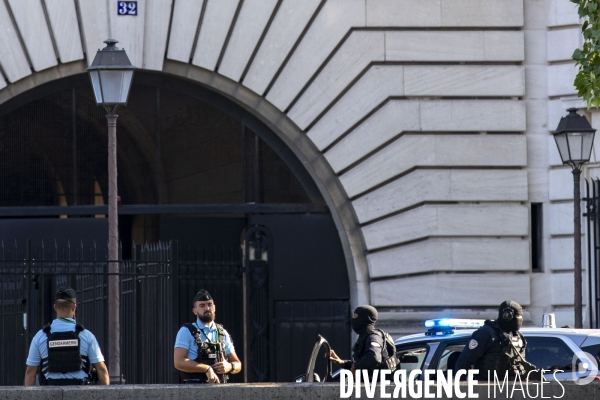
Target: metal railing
point(30, 275)
point(592, 214)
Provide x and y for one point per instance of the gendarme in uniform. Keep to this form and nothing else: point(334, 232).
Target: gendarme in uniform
point(64, 349)
point(208, 347)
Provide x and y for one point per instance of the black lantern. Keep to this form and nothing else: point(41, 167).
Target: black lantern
point(111, 74)
point(574, 137)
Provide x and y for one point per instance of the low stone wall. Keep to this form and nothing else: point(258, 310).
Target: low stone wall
point(268, 391)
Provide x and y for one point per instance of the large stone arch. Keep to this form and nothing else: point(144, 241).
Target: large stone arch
point(411, 117)
point(302, 147)
point(313, 160)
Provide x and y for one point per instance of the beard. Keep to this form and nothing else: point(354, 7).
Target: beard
point(207, 317)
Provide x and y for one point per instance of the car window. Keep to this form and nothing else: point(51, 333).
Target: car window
point(593, 350)
point(449, 357)
point(548, 353)
point(411, 358)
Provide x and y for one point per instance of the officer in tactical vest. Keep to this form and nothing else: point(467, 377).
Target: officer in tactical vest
point(204, 351)
point(499, 347)
point(374, 348)
point(65, 350)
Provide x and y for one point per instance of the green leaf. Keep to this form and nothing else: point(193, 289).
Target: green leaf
point(587, 59)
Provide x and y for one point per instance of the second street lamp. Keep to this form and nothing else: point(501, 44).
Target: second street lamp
point(111, 74)
point(574, 137)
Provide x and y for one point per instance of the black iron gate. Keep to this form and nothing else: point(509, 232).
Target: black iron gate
point(272, 314)
point(592, 212)
point(156, 286)
point(146, 325)
point(258, 249)
point(30, 275)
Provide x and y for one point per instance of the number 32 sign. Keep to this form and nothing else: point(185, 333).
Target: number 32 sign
point(127, 8)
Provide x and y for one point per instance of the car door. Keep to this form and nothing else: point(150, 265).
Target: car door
point(415, 356)
point(553, 353)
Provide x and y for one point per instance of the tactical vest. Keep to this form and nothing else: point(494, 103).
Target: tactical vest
point(64, 353)
point(208, 353)
point(504, 355)
point(388, 353)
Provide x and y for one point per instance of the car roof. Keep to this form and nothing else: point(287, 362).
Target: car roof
point(577, 335)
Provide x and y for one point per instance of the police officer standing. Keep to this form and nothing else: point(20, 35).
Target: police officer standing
point(499, 346)
point(204, 351)
point(374, 348)
point(65, 350)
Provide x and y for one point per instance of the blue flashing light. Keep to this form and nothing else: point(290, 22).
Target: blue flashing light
point(448, 325)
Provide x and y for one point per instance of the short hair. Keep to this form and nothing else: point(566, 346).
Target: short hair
point(65, 304)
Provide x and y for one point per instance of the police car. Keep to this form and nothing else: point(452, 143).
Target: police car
point(574, 351)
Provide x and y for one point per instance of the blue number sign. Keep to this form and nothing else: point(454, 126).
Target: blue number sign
point(127, 8)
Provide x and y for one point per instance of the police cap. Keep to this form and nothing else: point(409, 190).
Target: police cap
point(202, 295)
point(65, 293)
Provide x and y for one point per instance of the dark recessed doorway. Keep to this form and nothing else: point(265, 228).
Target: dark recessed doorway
point(197, 168)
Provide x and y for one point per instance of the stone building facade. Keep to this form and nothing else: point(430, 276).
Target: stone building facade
point(424, 124)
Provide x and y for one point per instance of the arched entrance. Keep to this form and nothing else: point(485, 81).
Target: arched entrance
point(193, 167)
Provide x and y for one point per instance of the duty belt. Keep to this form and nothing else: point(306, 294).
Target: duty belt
point(67, 382)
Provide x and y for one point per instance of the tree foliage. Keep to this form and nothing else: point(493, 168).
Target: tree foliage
point(587, 58)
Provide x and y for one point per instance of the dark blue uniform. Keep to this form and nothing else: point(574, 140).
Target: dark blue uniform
point(493, 350)
point(481, 340)
point(367, 352)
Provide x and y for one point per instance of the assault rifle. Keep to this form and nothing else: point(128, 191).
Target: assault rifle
point(221, 357)
point(219, 350)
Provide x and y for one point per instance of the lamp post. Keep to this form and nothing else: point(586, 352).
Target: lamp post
point(574, 138)
point(111, 74)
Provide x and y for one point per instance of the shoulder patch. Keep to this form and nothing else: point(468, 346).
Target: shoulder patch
point(472, 344)
point(375, 344)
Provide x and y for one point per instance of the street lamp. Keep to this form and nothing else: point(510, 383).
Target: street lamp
point(111, 74)
point(574, 138)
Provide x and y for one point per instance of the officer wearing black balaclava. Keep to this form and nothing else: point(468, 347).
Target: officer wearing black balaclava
point(498, 347)
point(369, 351)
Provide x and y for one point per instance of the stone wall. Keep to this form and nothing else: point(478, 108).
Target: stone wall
point(432, 119)
point(303, 391)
